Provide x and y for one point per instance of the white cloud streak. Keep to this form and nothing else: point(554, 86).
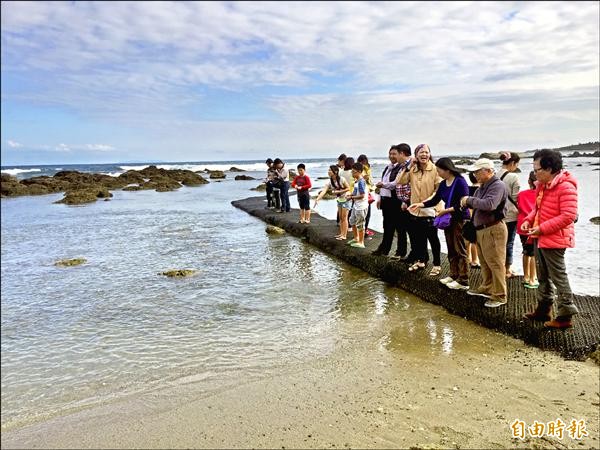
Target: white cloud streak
point(461, 73)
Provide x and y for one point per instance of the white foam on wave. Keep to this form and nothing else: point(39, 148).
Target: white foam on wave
point(18, 171)
point(112, 174)
point(252, 167)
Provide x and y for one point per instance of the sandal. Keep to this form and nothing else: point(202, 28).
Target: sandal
point(416, 266)
point(340, 238)
point(435, 271)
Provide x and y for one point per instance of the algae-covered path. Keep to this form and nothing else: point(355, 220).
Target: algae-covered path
point(575, 343)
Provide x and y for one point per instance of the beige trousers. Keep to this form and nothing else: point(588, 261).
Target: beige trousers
point(491, 245)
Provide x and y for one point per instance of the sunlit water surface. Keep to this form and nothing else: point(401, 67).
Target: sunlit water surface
point(81, 336)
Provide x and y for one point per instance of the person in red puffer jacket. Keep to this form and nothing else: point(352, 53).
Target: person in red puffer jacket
point(551, 225)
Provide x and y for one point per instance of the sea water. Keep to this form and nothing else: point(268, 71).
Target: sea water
point(81, 336)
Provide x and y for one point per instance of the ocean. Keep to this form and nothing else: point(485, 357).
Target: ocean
point(82, 336)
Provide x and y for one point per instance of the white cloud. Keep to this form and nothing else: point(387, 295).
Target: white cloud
point(62, 148)
point(99, 147)
point(14, 144)
point(456, 71)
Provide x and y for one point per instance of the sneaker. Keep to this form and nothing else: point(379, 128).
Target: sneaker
point(446, 280)
point(491, 303)
point(369, 232)
point(457, 285)
point(480, 294)
point(357, 244)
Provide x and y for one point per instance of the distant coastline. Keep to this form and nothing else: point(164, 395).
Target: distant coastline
point(589, 149)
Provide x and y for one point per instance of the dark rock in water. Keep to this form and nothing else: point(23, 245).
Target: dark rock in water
point(36, 189)
point(132, 177)
point(323, 178)
point(464, 162)
point(88, 195)
point(179, 273)
point(161, 184)
point(70, 262)
point(292, 173)
point(192, 179)
point(216, 174)
point(579, 165)
point(244, 177)
point(594, 164)
point(490, 155)
point(272, 229)
point(10, 186)
point(235, 169)
point(583, 155)
point(595, 220)
point(260, 187)
point(79, 185)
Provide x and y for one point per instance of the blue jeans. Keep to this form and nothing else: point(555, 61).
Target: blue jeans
point(285, 197)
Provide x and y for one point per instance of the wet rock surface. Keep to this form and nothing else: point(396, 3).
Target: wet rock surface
point(244, 177)
point(70, 262)
point(272, 229)
point(217, 174)
point(81, 187)
point(180, 273)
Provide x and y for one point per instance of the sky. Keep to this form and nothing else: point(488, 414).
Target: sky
point(95, 82)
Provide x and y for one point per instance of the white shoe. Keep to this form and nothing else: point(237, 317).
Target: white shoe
point(494, 303)
point(481, 294)
point(446, 280)
point(457, 285)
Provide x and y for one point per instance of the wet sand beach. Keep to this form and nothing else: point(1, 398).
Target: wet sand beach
point(384, 385)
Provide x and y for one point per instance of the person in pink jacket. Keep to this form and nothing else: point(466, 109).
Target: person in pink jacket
point(551, 225)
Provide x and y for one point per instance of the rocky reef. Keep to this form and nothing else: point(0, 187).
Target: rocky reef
point(180, 273)
point(80, 187)
point(70, 262)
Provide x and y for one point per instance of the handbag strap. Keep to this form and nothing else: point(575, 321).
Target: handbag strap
point(510, 199)
point(452, 191)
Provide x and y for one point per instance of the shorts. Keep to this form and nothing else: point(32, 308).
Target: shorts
point(357, 218)
point(304, 200)
point(346, 204)
point(527, 248)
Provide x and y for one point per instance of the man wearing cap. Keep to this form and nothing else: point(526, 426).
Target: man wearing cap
point(488, 205)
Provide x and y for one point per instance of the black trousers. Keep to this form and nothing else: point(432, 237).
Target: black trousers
point(392, 224)
point(423, 231)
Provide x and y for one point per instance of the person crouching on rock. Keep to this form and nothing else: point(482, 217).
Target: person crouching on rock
point(302, 185)
point(338, 187)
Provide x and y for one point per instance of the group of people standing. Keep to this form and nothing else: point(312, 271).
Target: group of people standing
point(418, 197)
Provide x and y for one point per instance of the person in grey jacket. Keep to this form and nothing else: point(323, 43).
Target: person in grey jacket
point(488, 205)
point(510, 165)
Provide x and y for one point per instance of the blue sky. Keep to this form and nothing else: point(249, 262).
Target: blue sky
point(190, 81)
